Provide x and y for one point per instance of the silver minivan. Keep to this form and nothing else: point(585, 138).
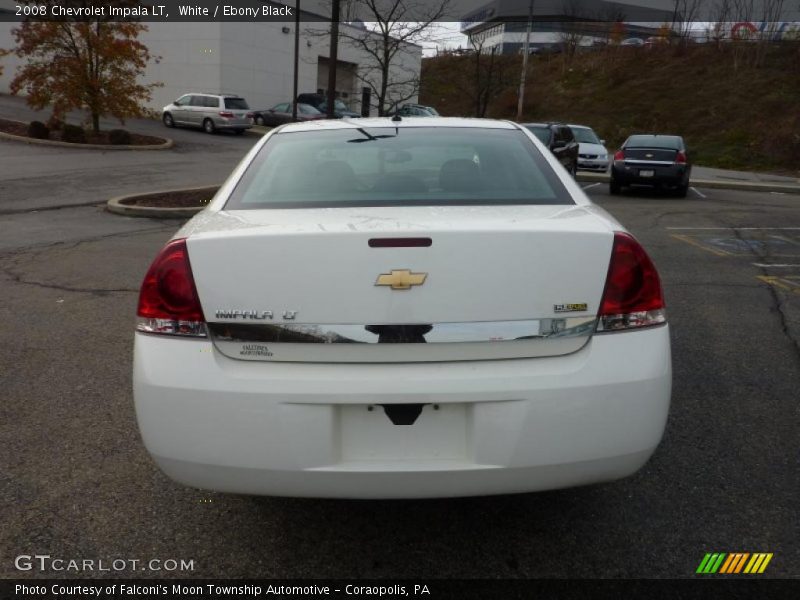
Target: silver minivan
point(209, 111)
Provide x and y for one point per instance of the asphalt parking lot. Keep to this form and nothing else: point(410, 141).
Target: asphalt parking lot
point(76, 481)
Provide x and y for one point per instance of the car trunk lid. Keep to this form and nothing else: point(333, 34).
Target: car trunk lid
point(493, 282)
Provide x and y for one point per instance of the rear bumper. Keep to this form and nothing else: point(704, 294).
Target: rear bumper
point(672, 175)
point(487, 427)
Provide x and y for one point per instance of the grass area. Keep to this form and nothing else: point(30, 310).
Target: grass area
point(734, 116)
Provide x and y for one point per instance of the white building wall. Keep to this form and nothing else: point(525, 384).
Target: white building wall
point(190, 59)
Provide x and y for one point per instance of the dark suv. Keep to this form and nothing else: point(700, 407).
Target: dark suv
point(659, 161)
point(559, 138)
point(320, 102)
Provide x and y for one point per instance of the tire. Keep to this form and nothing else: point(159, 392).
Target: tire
point(614, 188)
point(209, 127)
point(238, 131)
point(682, 191)
point(574, 170)
point(260, 121)
point(168, 120)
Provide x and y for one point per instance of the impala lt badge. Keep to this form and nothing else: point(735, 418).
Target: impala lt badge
point(254, 315)
point(402, 279)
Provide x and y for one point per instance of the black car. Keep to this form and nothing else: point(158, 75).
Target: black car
point(282, 113)
point(559, 138)
point(320, 102)
point(660, 161)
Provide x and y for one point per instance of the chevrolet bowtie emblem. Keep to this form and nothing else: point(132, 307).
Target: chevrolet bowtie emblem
point(401, 280)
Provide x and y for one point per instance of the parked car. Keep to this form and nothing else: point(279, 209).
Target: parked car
point(592, 152)
point(653, 160)
point(212, 112)
point(320, 102)
point(559, 138)
point(282, 113)
point(383, 309)
point(416, 110)
point(634, 41)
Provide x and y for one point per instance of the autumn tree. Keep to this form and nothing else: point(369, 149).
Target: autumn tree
point(2, 54)
point(91, 63)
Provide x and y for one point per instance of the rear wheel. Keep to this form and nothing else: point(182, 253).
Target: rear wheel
point(168, 120)
point(682, 190)
point(614, 187)
point(260, 120)
point(208, 126)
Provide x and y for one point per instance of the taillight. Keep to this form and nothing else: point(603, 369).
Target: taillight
point(168, 301)
point(680, 158)
point(250, 115)
point(632, 297)
point(619, 155)
point(226, 114)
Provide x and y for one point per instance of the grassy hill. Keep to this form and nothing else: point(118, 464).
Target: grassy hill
point(735, 116)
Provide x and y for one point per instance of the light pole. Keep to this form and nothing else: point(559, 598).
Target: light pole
point(296, 58)
point(524, 72)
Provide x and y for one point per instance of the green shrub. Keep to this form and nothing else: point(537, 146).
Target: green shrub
point(119, 137)
point(73, 134)
point(38, 130)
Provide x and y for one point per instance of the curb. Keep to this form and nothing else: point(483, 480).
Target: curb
point(117, 205)
point(742, 186)
point(57, 144)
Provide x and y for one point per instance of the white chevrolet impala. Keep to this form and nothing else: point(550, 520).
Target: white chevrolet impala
point(401, 309)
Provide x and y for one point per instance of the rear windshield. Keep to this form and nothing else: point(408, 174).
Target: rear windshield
point(236, 104)
point(409, 166)
point(670, 142)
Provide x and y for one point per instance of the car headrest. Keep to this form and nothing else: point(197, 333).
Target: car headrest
point(336, 176)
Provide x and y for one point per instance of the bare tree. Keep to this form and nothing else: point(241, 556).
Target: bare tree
point(720, 16)
point(395, 25)
point(771, 11)
point(684, 16)
point(572, 28)
point(492, 74)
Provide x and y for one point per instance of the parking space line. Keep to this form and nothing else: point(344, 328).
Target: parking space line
point(586, 187)
point(769, 266)
point(778, 282)
point(699, 193)
point(688, 240)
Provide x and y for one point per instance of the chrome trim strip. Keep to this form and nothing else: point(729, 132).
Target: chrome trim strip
point(636, 161)
point(438, 333)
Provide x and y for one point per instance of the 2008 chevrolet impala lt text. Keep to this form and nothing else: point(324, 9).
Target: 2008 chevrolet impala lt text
point(401, 308)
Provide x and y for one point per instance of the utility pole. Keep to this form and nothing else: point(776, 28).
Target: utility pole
point(334, 57)
point(296, 58)
point(524, 72)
